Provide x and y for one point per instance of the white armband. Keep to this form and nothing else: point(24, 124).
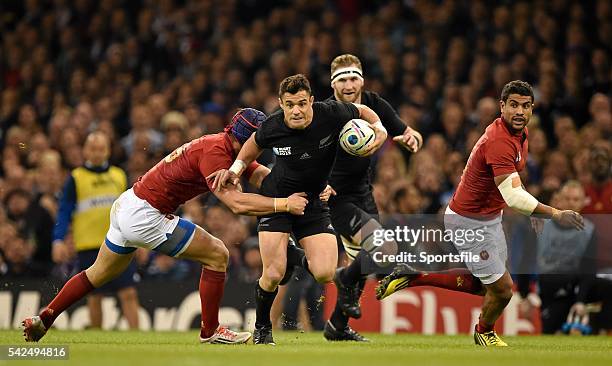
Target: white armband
point(237, 167)
point(515, 196)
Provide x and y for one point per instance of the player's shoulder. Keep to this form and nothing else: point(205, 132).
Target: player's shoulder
point(369, 97)
point(275, 117)
point(205, 144)
point(331, 107)
point(272, 122)
point(327, 103)
point(496, 132)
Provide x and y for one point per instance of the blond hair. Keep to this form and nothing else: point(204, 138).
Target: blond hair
point(345, 60)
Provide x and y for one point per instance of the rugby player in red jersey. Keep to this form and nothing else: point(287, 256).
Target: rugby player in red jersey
point(490, 182)
point(143, 217)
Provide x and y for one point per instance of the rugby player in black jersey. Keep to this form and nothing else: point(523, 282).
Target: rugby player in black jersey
point(353, 211)
point(304, 138)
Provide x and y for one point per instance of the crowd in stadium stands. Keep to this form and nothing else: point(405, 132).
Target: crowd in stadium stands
point(154, 74)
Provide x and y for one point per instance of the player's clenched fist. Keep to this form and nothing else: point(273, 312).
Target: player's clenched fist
point(296, 203)
point(568, 218)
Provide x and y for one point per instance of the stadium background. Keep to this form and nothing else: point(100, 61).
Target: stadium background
point(155, 74)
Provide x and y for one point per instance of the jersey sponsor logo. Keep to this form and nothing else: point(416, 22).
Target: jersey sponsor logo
point(326, 141)
point(518, 158)
point(305, 156)
point(95, 202)
point(282, 151)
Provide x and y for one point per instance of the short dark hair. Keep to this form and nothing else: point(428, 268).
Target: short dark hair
point(293, 84)
point(517, 87)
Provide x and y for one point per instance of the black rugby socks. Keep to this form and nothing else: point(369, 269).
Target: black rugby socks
point(263, 303)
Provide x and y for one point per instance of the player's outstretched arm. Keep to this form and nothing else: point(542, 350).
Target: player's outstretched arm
point(258, 205)
point(248, 153)
point(380, 132)
point(516, 197)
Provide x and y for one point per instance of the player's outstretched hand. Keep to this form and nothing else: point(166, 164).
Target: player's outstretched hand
point(569, 218)
point(296, 203)
point(411, 140)
point(223, 178)
point(327, 193)
point(380, 136)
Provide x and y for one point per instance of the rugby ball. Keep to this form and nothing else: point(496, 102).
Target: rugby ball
point(356, 136)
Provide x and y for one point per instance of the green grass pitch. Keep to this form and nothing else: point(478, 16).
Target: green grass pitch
point(172, 348)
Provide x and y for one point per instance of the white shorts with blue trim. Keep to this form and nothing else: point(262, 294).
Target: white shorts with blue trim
point(134, 223)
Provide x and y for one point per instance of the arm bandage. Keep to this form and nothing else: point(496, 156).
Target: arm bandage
point(237, 167)
point(515, 196)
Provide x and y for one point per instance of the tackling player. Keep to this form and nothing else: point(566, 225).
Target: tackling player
point(143, 217)
point(353, 211)
point(304, 138)
point(490, 182)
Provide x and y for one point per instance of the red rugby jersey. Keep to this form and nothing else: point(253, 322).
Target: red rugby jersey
point(498, 151)
point(181, 175)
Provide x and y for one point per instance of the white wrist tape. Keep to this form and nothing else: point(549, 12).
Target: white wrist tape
point(237, 167)
point(515, 196)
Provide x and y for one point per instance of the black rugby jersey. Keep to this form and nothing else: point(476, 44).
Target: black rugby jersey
point(304, 158)
point(351, 174)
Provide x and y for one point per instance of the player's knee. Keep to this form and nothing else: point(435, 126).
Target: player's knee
point(219, 253)
point(506, 294)
point(273, 275)
point(502, 290)
point(324, 275)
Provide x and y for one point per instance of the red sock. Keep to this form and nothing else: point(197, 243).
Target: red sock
point(74, 290)
point(212, 284)
point(453, 279)
point(483, 327)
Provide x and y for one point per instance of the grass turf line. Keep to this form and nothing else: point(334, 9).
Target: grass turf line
point(111, 348)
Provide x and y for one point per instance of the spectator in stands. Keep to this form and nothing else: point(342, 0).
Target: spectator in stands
point(566, 264)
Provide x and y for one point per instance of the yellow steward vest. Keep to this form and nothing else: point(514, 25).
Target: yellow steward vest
point(95, 194)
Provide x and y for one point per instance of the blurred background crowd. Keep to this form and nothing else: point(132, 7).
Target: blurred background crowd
point(154, 74)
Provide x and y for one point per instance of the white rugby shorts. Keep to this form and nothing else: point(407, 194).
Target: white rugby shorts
point(134, 223)
point(489, 245)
